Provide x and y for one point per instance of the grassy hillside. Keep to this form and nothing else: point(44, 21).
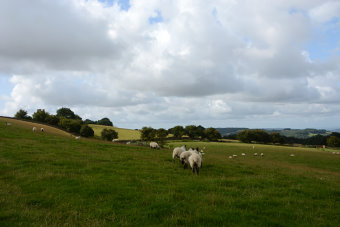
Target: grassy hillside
point(30, 125)
point(123, 134)
point(51, 180)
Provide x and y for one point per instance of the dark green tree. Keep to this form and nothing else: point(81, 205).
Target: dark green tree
point(105, 121)
point(178, 131)
point(52, 120)
point(277, 138)
point(70, 125)
point(109, 134)
point(86, 131)
point(333, 141)
point(41, 115)
point(161, 135)
point(148, 134)
point(66, 112)
point(22, 114)
point(212, 134)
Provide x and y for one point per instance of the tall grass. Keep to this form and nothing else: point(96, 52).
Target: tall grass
point(49, 180)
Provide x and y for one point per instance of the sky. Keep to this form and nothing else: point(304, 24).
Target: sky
point(162, 63)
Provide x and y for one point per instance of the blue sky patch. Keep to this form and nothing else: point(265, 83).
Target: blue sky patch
point(156, 19)
point(124, 4)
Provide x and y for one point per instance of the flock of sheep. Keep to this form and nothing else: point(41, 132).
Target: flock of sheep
point(34, 129)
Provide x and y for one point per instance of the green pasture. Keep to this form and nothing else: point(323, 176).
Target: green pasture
point(53, 180)
point(123, 134)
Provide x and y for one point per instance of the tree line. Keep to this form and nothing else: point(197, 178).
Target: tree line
point(261, 136)
point(66, 119)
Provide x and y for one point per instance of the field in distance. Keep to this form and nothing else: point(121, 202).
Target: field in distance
point(123, 134)
point(51, 180)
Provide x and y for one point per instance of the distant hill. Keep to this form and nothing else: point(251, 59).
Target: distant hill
point(288, 132)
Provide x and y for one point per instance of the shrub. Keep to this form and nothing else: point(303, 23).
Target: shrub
point(86, 131)
point(105, 121)
point(109, 134)
point(22, 114)
point(148, 134)
point(40, 115)
point(70, 124)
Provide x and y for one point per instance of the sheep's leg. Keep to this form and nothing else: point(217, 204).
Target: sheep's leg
point(197, 170)
point(185, 165)
point(193, 170)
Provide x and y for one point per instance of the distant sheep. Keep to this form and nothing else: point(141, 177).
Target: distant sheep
point(255, 154)
point(42, 130)
point(154, 145)
point(34, 129)
point(243, 154)
point(195, 161)
point(292, 155)
point(177, 152)
point(262, 154)
point(115, 140)
point(77, 137)
point(234, 155)
point(230, 156)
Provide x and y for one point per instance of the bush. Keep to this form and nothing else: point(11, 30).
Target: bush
point(86, 131)
point(109, 134)
point(212, 134)
point(52, 120)
point(105, 121)
point(70, 124)
point(40, 115)
point(22, 114)
point(148, 134)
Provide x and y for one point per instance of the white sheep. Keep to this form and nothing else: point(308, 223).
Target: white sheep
point(34, 129)
point(230, 156)
point(292, 155)
point(243, 154)
point(262, 154)
point(195, 161)
point(115, 140)
point(234, 155)
point(184, 156)
point(177, 152)
point(77, 137)
point(255, 154)
point(42, 129)
point(154, 145)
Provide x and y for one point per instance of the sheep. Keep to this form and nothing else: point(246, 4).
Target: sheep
point(42, 129)
point(243, 154)
point(184, 156)
point(255, 154)
point(195, 161)
point(177, 152)
point(77, 137)
point(154, 145)
point(234, 155)
point(230, 156)
point(34, 129)
point(262, 154)
point(292, 155)
point(129, 142)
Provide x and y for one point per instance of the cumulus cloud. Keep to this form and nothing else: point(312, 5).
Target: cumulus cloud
point(163, 63)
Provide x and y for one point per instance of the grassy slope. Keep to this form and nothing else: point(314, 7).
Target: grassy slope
point(30, 125)
point(53, 180)
point(123, 134)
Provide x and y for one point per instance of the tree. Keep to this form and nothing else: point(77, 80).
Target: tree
point(52, 120)
point(109, 134)
point(212, 134)
point(316, 140)
point(191, 131)
point(277, 138)
point(86, 131)
point(66, 112)
point(88, 121)
point(70, 125)
point(40, 115)
point(161, 135)
point(256, 135)
point(22, 114)
point(148, 134)
point(333, 141)
point(178, 131)
point(105, 121)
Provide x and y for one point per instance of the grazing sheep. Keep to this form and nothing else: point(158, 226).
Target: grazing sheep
point(42, 129)
point(234, 155)
point(115, 140)
point(262, 154)
point(243, 154)
point(292, 155)
point(178, 151)
point(154, 145)
point(184, 157)
point(129, 142)
point(255, 154)
point(195, 161)
point(77, 137)
point(34, 129)
point(230, 156)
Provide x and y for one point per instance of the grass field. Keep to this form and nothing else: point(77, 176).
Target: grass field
point(53, 180)
point(123, 134)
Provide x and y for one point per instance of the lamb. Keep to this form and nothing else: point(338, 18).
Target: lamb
point(154, 145)
point(177, 152)
point(195, 161)
point(34, 129)
point(42, 130)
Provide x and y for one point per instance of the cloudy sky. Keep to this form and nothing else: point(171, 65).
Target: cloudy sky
point(161, 63)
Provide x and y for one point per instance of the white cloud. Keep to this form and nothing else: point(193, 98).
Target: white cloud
point(204, 62)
